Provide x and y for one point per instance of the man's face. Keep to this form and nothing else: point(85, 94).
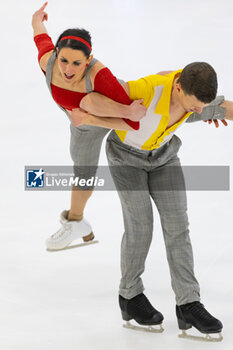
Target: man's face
point(190, 103)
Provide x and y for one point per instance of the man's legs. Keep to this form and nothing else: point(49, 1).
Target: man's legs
point(138, 222)
point(136, 240)
point(167, 188)
point(138, 226)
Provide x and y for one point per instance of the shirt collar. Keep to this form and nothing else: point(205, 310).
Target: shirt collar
point(163, 104)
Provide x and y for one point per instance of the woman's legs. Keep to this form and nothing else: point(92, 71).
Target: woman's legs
point(85, 145)
point(78, 202)
point(79, 199)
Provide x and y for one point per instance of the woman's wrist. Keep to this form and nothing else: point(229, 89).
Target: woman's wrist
point(39, 28)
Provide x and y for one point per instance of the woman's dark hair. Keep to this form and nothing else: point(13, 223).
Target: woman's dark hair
point(74, 44)
point(199, 79)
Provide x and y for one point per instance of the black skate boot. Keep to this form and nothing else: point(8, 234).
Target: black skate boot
point(140, 309)
point(194, 314)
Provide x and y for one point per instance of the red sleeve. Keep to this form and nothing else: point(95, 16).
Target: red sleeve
point(106, 84)
point(44, 44)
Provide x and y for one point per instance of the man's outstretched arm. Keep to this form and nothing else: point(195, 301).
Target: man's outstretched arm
point(228, 105)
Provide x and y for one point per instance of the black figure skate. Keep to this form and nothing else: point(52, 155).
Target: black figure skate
point(140, 309)
point(194, 314)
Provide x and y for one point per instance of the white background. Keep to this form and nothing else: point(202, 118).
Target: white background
point(68, 300)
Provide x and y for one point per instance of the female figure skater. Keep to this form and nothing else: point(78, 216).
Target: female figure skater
point(71, 73)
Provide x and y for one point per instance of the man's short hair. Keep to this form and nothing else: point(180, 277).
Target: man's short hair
point(199, 79)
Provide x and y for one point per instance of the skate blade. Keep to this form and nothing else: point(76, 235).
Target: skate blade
point(149, 329)
point(206, 338)
point(73, 246)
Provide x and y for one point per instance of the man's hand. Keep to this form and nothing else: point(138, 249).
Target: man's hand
point(78, 116)
point(216, 122)
point(136, 110)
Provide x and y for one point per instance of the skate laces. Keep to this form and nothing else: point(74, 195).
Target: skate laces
point(142, 303)
point(63, 231)
point(197, 309)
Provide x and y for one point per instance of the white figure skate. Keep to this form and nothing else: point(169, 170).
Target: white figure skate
point(69, 232)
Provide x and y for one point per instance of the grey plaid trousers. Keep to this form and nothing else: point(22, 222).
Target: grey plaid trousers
point(161, 179)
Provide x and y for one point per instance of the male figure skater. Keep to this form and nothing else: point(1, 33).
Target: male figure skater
point(147, 159)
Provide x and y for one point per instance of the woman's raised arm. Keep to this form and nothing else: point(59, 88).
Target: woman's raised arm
point(37, 21)
point(43, 42)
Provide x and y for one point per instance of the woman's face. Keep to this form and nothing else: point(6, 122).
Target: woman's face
point(72, 64)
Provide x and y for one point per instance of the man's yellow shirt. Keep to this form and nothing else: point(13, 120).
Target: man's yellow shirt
point(153, 132)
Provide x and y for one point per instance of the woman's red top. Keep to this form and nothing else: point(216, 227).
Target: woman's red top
point(105, 83)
